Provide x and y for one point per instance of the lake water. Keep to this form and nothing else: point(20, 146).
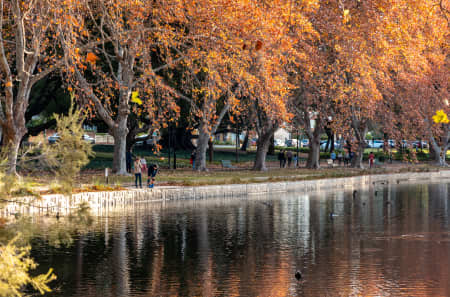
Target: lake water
point(392, 240)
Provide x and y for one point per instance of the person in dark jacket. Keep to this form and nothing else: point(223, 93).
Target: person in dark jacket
point(152, 171)
point(192, 161)
point(129, 160)
point(289, 158)
point(282, 158)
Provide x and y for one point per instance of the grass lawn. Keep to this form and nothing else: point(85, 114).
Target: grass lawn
point(94, 180)
point(216, 175)
point(104, 156)
point(92, 177)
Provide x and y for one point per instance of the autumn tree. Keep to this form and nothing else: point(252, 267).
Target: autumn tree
point(276, 48)
point(354, 65)
point(419, 89)
point(311, 104)
point(213, 62)
point(134, 42)
point(27, 54)
point(283, 53)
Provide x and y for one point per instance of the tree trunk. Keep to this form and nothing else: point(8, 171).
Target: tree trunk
point(440, 159)
point(439, 152)
point(313, 161)
point(202, 146)
point(357, 161)
point(210, 150)
point(432, 152)
point(12, 136)
point(120, 145)
point(360, 128)
point(205, 130)
point(263, 144)
point(13, 150)
point(265, 139)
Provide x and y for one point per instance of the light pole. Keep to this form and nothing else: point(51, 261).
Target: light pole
point(174, 150)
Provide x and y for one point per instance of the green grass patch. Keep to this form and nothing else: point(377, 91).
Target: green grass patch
point(104, 155)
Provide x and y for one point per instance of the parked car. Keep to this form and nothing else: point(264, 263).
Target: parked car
point(88, 138)
point(53, 138)
point(419, 144)
point(291, 142)
point(144, 140)
point(376, 144)
point(278, 142)
point(304, 143)
point(323, 145)
point(338, 145)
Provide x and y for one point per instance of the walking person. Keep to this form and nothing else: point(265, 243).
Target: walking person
point(333, 156)
point(280, 158)
point(371, 159)
point(289, 158)
point(137, 172)
point(152, 171)
point(346, 158)
point(144, 164)
point(192, 161)
point(339, 157)
point(129, 159)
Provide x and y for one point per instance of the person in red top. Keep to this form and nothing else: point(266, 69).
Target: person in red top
point(371, 159)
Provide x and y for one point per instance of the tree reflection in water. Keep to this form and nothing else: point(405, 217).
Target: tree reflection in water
point(253, 247)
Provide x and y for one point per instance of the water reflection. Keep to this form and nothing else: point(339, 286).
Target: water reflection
point(390, 240)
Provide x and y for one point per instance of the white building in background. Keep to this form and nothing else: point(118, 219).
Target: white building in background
point(282, 135)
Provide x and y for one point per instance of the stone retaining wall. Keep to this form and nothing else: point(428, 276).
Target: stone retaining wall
point(101, 202)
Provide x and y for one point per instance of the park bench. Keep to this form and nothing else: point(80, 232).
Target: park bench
point(226, 164)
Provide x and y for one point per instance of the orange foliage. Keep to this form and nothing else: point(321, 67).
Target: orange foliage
point(91, 58)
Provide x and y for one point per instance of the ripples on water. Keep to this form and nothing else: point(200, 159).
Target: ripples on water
point(392, 243)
